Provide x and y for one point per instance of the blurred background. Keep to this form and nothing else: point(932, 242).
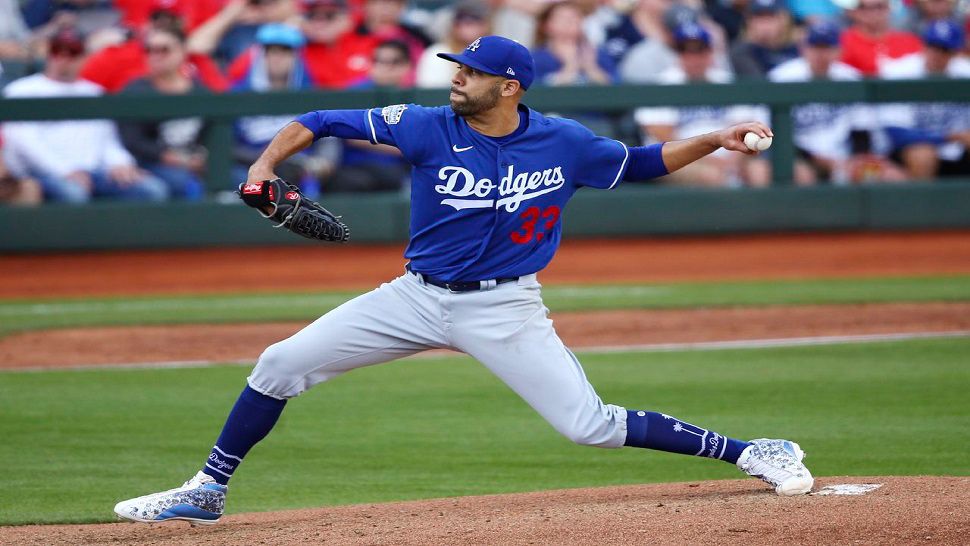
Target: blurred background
point(146, 112)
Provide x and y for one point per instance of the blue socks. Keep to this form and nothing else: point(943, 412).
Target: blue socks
point(665, 433)
point(255, 414)
point(250, 421)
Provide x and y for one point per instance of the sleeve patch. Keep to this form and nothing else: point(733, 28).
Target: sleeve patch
point(392, 114)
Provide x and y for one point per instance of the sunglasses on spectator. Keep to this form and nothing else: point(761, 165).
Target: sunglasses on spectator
point(66, 51)
point(473, 19)
point(879, 6)
point(395, 61)
point(324, 15)
point(158, 49)
point(692, 47)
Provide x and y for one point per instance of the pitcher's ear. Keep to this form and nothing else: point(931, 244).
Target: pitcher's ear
point(510, 88)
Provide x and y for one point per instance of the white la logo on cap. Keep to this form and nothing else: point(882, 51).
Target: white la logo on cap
point(474, 45)
point(510, 71)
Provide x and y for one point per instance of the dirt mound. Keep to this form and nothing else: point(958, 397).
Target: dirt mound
point(927, 510)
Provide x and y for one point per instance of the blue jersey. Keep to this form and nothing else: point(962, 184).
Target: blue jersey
point(483, 207)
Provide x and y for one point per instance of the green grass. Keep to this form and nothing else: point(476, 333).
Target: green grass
point(75, 442)
point(39, 314)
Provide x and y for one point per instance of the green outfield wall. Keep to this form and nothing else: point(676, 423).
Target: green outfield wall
point(630, 210)
point(627, 212)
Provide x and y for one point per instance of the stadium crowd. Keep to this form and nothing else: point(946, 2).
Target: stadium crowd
point(64, 48)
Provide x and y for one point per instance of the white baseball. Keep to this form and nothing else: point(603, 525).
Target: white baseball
point(755, 142)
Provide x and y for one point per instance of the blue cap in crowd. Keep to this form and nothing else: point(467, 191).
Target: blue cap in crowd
point(823, 34)
point(764, 7)
point(691, 32)
point(281, 35)
point(944, 34)
point(498, 56)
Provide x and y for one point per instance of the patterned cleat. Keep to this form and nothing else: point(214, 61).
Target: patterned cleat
point(778, 462)
point(200, 501)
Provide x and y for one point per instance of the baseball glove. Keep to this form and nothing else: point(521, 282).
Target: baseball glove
point(284, 204)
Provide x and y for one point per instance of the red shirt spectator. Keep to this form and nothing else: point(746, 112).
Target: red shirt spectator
point(871, 38)
point(114, 66)
point(336, 65)
point(136, 13)
point(335, 55)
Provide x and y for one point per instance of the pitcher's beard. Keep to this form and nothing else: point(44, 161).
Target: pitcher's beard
point(472, 107)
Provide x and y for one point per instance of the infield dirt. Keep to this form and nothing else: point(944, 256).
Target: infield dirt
point(910, 510)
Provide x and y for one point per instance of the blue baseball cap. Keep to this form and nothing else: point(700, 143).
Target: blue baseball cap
point(691, 32)
point(764, 7)
point(823, 34)
point(944, 34)
point(280, 34)
point(498, 56)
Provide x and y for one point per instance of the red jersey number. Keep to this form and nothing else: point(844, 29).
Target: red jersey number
point(531, 218)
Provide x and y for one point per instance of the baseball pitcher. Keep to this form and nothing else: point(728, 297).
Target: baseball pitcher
point(490, 180)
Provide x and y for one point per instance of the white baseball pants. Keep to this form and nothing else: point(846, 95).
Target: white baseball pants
point(506, 328)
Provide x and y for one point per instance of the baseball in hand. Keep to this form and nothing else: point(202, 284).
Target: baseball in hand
point(756, 143)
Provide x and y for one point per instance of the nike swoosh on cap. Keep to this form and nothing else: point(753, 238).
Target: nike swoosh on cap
point(457, 149)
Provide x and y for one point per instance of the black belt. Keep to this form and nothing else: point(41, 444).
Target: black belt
point(461, 286)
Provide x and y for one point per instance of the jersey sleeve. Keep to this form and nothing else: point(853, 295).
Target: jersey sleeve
point(602, 161)
point(404, 126)
point(408, 127)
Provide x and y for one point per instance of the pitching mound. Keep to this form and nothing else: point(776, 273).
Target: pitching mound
point(928, 510)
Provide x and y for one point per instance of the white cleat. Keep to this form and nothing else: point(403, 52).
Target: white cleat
point(200, 501)
point(778, 462)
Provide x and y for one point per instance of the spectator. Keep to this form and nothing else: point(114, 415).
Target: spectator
point(73, 160)
point(114, 66)
point(767, 41)
point(833, 142)
point(365, 167)
point(136, 13)
point(563, 55)
point(931, 139)
point(16, 190)
point(648, 59)
point(924, 12)
point(232, 30)
point(389, 68)
point(871, 40)
point(643, 22)
point(598, 15)
point(811, 11)
point(695, 65)
point(728, 14)
point(277, 65)
point(86, 16)
point(383, 19)
point(469, 21)
point(516, 19)
point(14, 37)
point(170, 149)
point(335, 55)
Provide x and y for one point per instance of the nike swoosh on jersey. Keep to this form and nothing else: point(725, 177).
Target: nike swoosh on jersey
point(457, 149)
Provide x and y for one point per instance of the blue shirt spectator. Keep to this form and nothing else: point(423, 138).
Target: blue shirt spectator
point(277, 66)
point(563, 55)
